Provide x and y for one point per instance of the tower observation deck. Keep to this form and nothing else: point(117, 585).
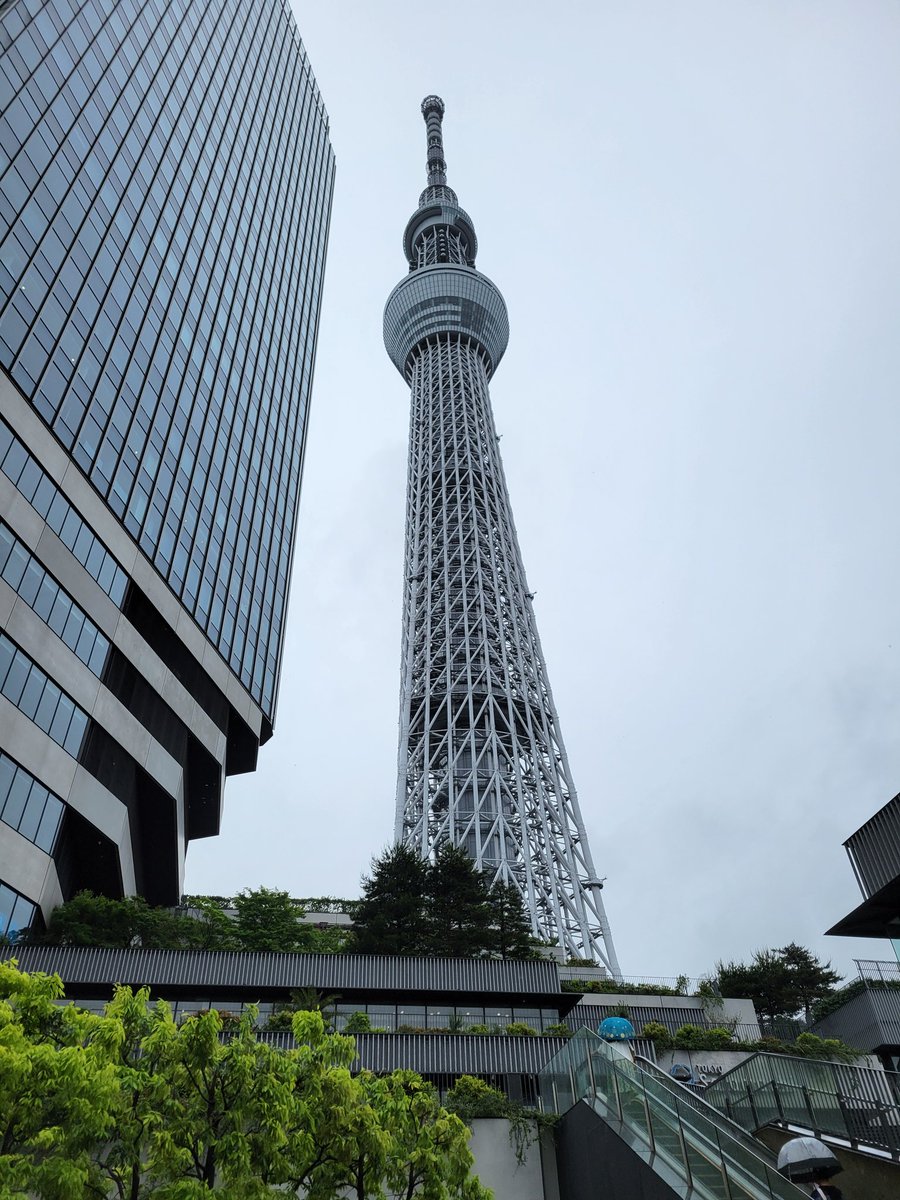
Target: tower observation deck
point(481, 763)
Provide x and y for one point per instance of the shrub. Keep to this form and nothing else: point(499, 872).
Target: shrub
point(471, 1098)
point(658, 1034)
point(520, 1029)
point(557, 1030)
point(607, 986)
point(281, 1021)
point(358, 1022)
point(811, 1046)
point(719, 1038)
point(481, 1029)
point(692, 1037)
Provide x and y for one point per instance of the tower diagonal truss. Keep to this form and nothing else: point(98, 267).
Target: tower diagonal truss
point(482, 764)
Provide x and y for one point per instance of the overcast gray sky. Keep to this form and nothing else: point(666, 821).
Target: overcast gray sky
point(692, 212)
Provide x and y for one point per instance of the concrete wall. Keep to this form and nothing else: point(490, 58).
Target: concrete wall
point(497, 1167)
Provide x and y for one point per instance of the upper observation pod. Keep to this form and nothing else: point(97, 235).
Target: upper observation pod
point(443, 293)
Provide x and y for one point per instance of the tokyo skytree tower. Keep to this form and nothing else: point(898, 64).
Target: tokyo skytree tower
point(482, 762)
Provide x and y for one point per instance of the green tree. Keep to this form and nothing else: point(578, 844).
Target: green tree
point(133, 1106)
point(89, 920)
point(390, 918)
point(457, 906)
point(513, 937)
point(811, 979)
point(780, 983)
point(58, 1095)
point(214, 929)
point(269, 920)
point(765, 980)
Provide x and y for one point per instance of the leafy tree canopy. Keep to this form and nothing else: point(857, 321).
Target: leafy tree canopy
point(132, 1106)
point(390, 917)
point(265, 920)
point(781, 983)
point(411, 906)
point(457, 906)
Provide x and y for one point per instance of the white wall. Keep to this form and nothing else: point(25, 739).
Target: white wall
point(496, 1165)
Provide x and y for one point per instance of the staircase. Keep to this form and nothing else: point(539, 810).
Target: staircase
point(690, 1146)
point(858, 1104)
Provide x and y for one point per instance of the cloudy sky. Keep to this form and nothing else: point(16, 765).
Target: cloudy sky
point(692, 211)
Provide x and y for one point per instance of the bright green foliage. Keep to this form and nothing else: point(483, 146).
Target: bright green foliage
point(658, 1034)
point(692, 1037)
point(57, 1096)
point(268, 920)
point(471, 1098)
point(130, 1105)
point(399, 1138)
point(358, 1022)
point(390, 918)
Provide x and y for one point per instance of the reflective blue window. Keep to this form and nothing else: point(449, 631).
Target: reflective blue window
point(39, 589)
point(161, 255)
point(16, 911)
point(26, 686)
point(27, 806)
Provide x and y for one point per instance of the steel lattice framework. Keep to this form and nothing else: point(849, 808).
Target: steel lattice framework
point(481, 762)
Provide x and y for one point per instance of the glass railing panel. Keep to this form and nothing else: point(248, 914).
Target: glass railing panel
point(695, 1151)
point(668, 1142)
point(632, 1105)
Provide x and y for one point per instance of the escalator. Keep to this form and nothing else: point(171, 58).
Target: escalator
point(693, 1151)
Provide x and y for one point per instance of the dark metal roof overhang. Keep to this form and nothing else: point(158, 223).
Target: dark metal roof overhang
point(92, 973)
point(877, 917)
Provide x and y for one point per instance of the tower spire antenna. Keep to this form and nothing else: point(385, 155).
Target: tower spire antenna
point(433, 112)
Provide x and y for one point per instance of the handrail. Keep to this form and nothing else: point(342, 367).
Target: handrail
point(697, 1153)
point(858, 1104)
point(850, 1079)
point(696, 1101)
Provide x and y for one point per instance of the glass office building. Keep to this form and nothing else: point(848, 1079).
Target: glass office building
point(165, 190)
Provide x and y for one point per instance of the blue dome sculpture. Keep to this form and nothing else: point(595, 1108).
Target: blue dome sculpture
point(616, 1029)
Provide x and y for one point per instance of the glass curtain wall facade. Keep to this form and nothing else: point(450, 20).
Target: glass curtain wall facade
point(482, 763)
point(165, 190)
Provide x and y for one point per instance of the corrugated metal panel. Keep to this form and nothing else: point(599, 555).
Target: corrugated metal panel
point(875, 848)
point(446, 1054)
point(590, 1015)
point(457, 1053)
point(249, 969)
point(867, 1021)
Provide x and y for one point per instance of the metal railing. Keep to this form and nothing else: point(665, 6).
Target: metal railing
point(871, 970)
point(861, 1104)
point(693, 1096)
point(697, 1154)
